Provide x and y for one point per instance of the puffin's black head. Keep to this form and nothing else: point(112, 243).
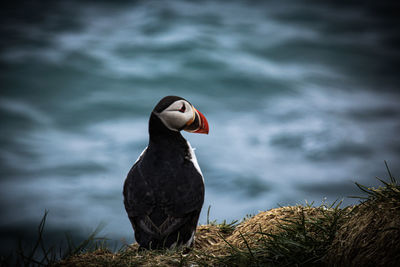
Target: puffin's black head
point(176, 113)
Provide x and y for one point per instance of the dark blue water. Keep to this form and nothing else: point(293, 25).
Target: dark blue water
point(302, 100)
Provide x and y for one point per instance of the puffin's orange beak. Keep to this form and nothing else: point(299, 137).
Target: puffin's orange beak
point(199, 124)
point(203, 123)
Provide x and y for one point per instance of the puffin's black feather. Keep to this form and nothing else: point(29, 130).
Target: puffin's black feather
point(166, 102)
point(164, 192)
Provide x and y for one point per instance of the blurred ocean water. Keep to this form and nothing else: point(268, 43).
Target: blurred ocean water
point(302, 100)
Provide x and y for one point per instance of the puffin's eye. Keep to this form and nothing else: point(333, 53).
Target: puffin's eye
point(183, 108)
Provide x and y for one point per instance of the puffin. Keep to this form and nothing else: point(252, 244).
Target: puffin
point(164, 190)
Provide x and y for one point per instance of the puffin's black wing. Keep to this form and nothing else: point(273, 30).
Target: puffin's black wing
point(187, 190)
point(138, 194)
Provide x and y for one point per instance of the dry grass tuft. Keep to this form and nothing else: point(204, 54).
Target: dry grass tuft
point(371, 237)
point(99, 257)
point(267, 222)
point(208, 236)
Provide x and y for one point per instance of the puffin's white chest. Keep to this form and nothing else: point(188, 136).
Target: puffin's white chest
point(193, 159)
point(141, 154)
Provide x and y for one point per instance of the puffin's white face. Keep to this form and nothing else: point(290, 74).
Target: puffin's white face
point(178, 115)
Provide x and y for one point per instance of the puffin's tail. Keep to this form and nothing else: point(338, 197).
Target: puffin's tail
point(181, 237)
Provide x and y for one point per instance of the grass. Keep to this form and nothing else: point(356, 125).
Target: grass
point(370, 236)
point(302, 235)
point(389, 193)
point(301, 240)
point(39, 254)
